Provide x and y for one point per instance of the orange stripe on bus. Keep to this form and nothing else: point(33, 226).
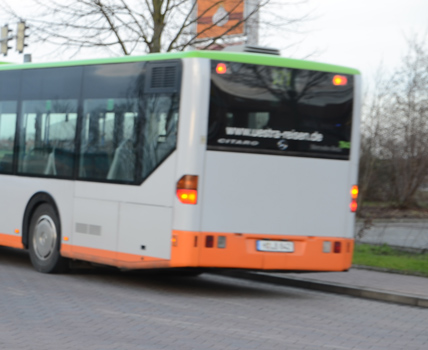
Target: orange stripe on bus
point(11, 241)
point(107, 257)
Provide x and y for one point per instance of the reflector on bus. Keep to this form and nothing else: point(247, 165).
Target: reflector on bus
point(337, 247)
point(209, 241)
point(187, 189)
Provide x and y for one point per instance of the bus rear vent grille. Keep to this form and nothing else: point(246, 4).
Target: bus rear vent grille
point(253, 48)
point(163, 77)
point(259, 49)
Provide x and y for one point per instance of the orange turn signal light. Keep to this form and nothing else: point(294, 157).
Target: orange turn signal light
point(187, 189)
point(187, 196)
point(354, 192)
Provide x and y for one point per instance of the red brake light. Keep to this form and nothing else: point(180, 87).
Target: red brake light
point(187, 189)
point(340, 80)
point(353, 205)
point(221, 68)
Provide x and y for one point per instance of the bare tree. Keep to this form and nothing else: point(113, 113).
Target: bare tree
point(135, 26)
point(376, 108)
point(407, 146)
point(395, 131)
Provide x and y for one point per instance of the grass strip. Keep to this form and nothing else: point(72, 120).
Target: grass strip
point(386, 257)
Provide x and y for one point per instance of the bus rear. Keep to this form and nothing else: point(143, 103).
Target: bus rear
point(270, 152)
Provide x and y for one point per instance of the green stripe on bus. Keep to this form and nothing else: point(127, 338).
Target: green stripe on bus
point(243, 57)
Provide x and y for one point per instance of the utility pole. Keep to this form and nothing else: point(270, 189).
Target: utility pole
point(252, 8)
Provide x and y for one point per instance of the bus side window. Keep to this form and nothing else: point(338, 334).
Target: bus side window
point(112, 98)
point(62, 134)
point(7, 135)
point(96, 147)
point(47, 137)
point(160, 131)
point(108, 140)
point(123, 165)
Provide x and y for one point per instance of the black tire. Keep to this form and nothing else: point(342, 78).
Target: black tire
point(44, 241)
point(186, 273)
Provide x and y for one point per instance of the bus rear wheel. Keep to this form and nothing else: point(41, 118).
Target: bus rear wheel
point(44, 241)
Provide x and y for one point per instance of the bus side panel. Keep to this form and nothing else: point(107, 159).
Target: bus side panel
point(132, 220)
point(95, 228)
point(145, 230)
point(12, 205)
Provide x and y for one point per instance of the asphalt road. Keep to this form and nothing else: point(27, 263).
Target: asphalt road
point(102, 309)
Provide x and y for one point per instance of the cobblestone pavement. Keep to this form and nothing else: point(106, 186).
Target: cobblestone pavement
point(99, 309)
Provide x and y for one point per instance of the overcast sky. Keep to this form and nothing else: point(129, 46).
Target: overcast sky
point(355, 33)
point(363, 34)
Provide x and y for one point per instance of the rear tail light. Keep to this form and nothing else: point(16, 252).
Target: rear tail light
point(340, 80)
point(187, 189)
point(221, 68)
point(335, 247)
point(354, 197)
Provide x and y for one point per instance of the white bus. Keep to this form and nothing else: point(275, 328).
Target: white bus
point(180, 160)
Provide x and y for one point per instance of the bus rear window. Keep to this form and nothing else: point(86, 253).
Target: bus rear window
point(277, 110)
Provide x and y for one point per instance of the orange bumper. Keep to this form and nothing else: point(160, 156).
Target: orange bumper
point(189, 250)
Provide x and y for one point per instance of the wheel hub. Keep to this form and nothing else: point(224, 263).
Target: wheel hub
point(45, 236)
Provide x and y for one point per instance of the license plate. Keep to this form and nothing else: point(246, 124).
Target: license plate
point(275, 246)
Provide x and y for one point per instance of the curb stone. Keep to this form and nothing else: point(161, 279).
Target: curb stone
point(337, 288)
point(384, 269)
